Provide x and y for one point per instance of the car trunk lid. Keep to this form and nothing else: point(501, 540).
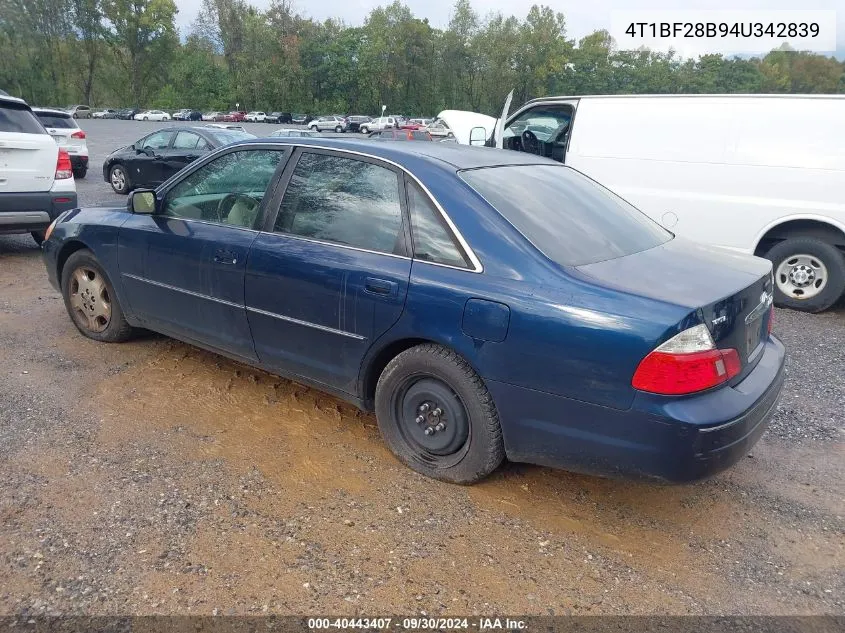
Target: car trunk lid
point(730, 292)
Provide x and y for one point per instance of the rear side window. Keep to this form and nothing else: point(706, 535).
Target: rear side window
point(570, 218)
point(185, 140)
point(345, 201)
point(433, 240)
point(59, 121)
point(19, 119)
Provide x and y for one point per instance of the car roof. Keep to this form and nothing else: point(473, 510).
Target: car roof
point(442, 154)
point(56, 111)
point(11, 99)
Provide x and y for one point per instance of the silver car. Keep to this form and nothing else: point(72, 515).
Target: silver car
point(328, 124)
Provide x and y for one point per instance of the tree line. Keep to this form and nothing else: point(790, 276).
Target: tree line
point(130, 53)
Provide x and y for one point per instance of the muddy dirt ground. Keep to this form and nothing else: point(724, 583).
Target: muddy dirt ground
point(152, 477)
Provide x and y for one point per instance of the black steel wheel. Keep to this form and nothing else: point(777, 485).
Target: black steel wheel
point(437, 416)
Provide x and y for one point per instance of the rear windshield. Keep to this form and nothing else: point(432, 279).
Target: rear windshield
point(572, 219)
point(224, 137)
point(64, 121)
point(18, 118)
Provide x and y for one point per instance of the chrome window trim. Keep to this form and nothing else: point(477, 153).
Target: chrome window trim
point(316, 326)
point(476, 263)
point(198, 295)
point(329, 243)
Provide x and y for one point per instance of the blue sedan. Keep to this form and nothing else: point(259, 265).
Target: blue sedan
point(485, 304)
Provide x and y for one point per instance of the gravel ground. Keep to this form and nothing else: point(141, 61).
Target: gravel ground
point(152, 477)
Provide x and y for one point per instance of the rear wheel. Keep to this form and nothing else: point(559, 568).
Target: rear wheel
point(90, 299)
point(119, 179)
point(437, 417)
point(80, 172)
point(364, 129)
point(809, 274)
point(338, 129)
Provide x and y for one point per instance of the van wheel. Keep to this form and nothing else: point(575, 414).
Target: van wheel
point(90, 299)
point(809, 274)
point(437, 417)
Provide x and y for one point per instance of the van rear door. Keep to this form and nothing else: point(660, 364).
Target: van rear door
point(27, 153)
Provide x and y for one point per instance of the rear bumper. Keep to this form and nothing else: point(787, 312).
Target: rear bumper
point(24, 212)
point(670, 439)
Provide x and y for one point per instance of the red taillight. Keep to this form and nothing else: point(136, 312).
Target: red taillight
point(78, 134)
point(685, 364)
point(63, 167)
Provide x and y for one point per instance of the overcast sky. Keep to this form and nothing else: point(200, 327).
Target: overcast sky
point(583, 16)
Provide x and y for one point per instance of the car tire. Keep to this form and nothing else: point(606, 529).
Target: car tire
point(809, 274)
point(437, 416)
point(364, 129)
point(120, 184)
point(338, 130)
point(90, 300)
point(80, 173)
point(146, 118)
point(38, 236)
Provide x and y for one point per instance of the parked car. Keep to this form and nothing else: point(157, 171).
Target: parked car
point(152, 115)
point(37, 176)
point(743, 178)
point(329, 123)
point(107, 113)
point(235, 116)
point(127, 114)
point(284, 132)
point(79, 111)
point(279, 117)
point(402, 134)
point(510, 325)
point(187, 115)
point(67, 134)
point(301, 119)
point(355, 121)
point(421, 122)
point(211, 116)
point(156, 157)
point(255, 117)
point(378, 124)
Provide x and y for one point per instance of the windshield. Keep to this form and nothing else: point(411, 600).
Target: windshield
point(224, 137)
point(570, 218)
point(52, 119)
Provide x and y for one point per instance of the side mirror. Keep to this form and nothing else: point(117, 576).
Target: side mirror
point(477, 136)
point(142, 201)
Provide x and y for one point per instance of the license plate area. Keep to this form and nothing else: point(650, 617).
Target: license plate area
point(752, 336)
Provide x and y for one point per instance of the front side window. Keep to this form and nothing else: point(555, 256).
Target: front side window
point(345, 201)
point(228, 190)
point(433, 239)
point(570, 218)
point(158, 140)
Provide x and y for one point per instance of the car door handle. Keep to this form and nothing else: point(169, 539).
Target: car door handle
point(381, 286)
point(225, 257)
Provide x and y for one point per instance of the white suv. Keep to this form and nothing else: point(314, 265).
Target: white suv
point(256, 117)
point(65, 131)
point(36, 177)
point(328, 123)
point(379, 124)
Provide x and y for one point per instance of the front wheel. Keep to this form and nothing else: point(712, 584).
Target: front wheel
point(338, 129)
point(119, 179)
point(437, 417)
point(364, 129)
point(809, 274)
point(90, 300)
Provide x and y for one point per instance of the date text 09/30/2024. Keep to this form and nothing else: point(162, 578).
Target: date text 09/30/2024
point(419, 623)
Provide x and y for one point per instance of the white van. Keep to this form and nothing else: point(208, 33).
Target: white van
point(761, 174)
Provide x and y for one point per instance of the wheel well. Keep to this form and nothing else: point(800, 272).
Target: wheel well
point(380, 361)
point(800, 228)
point(68, 249)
